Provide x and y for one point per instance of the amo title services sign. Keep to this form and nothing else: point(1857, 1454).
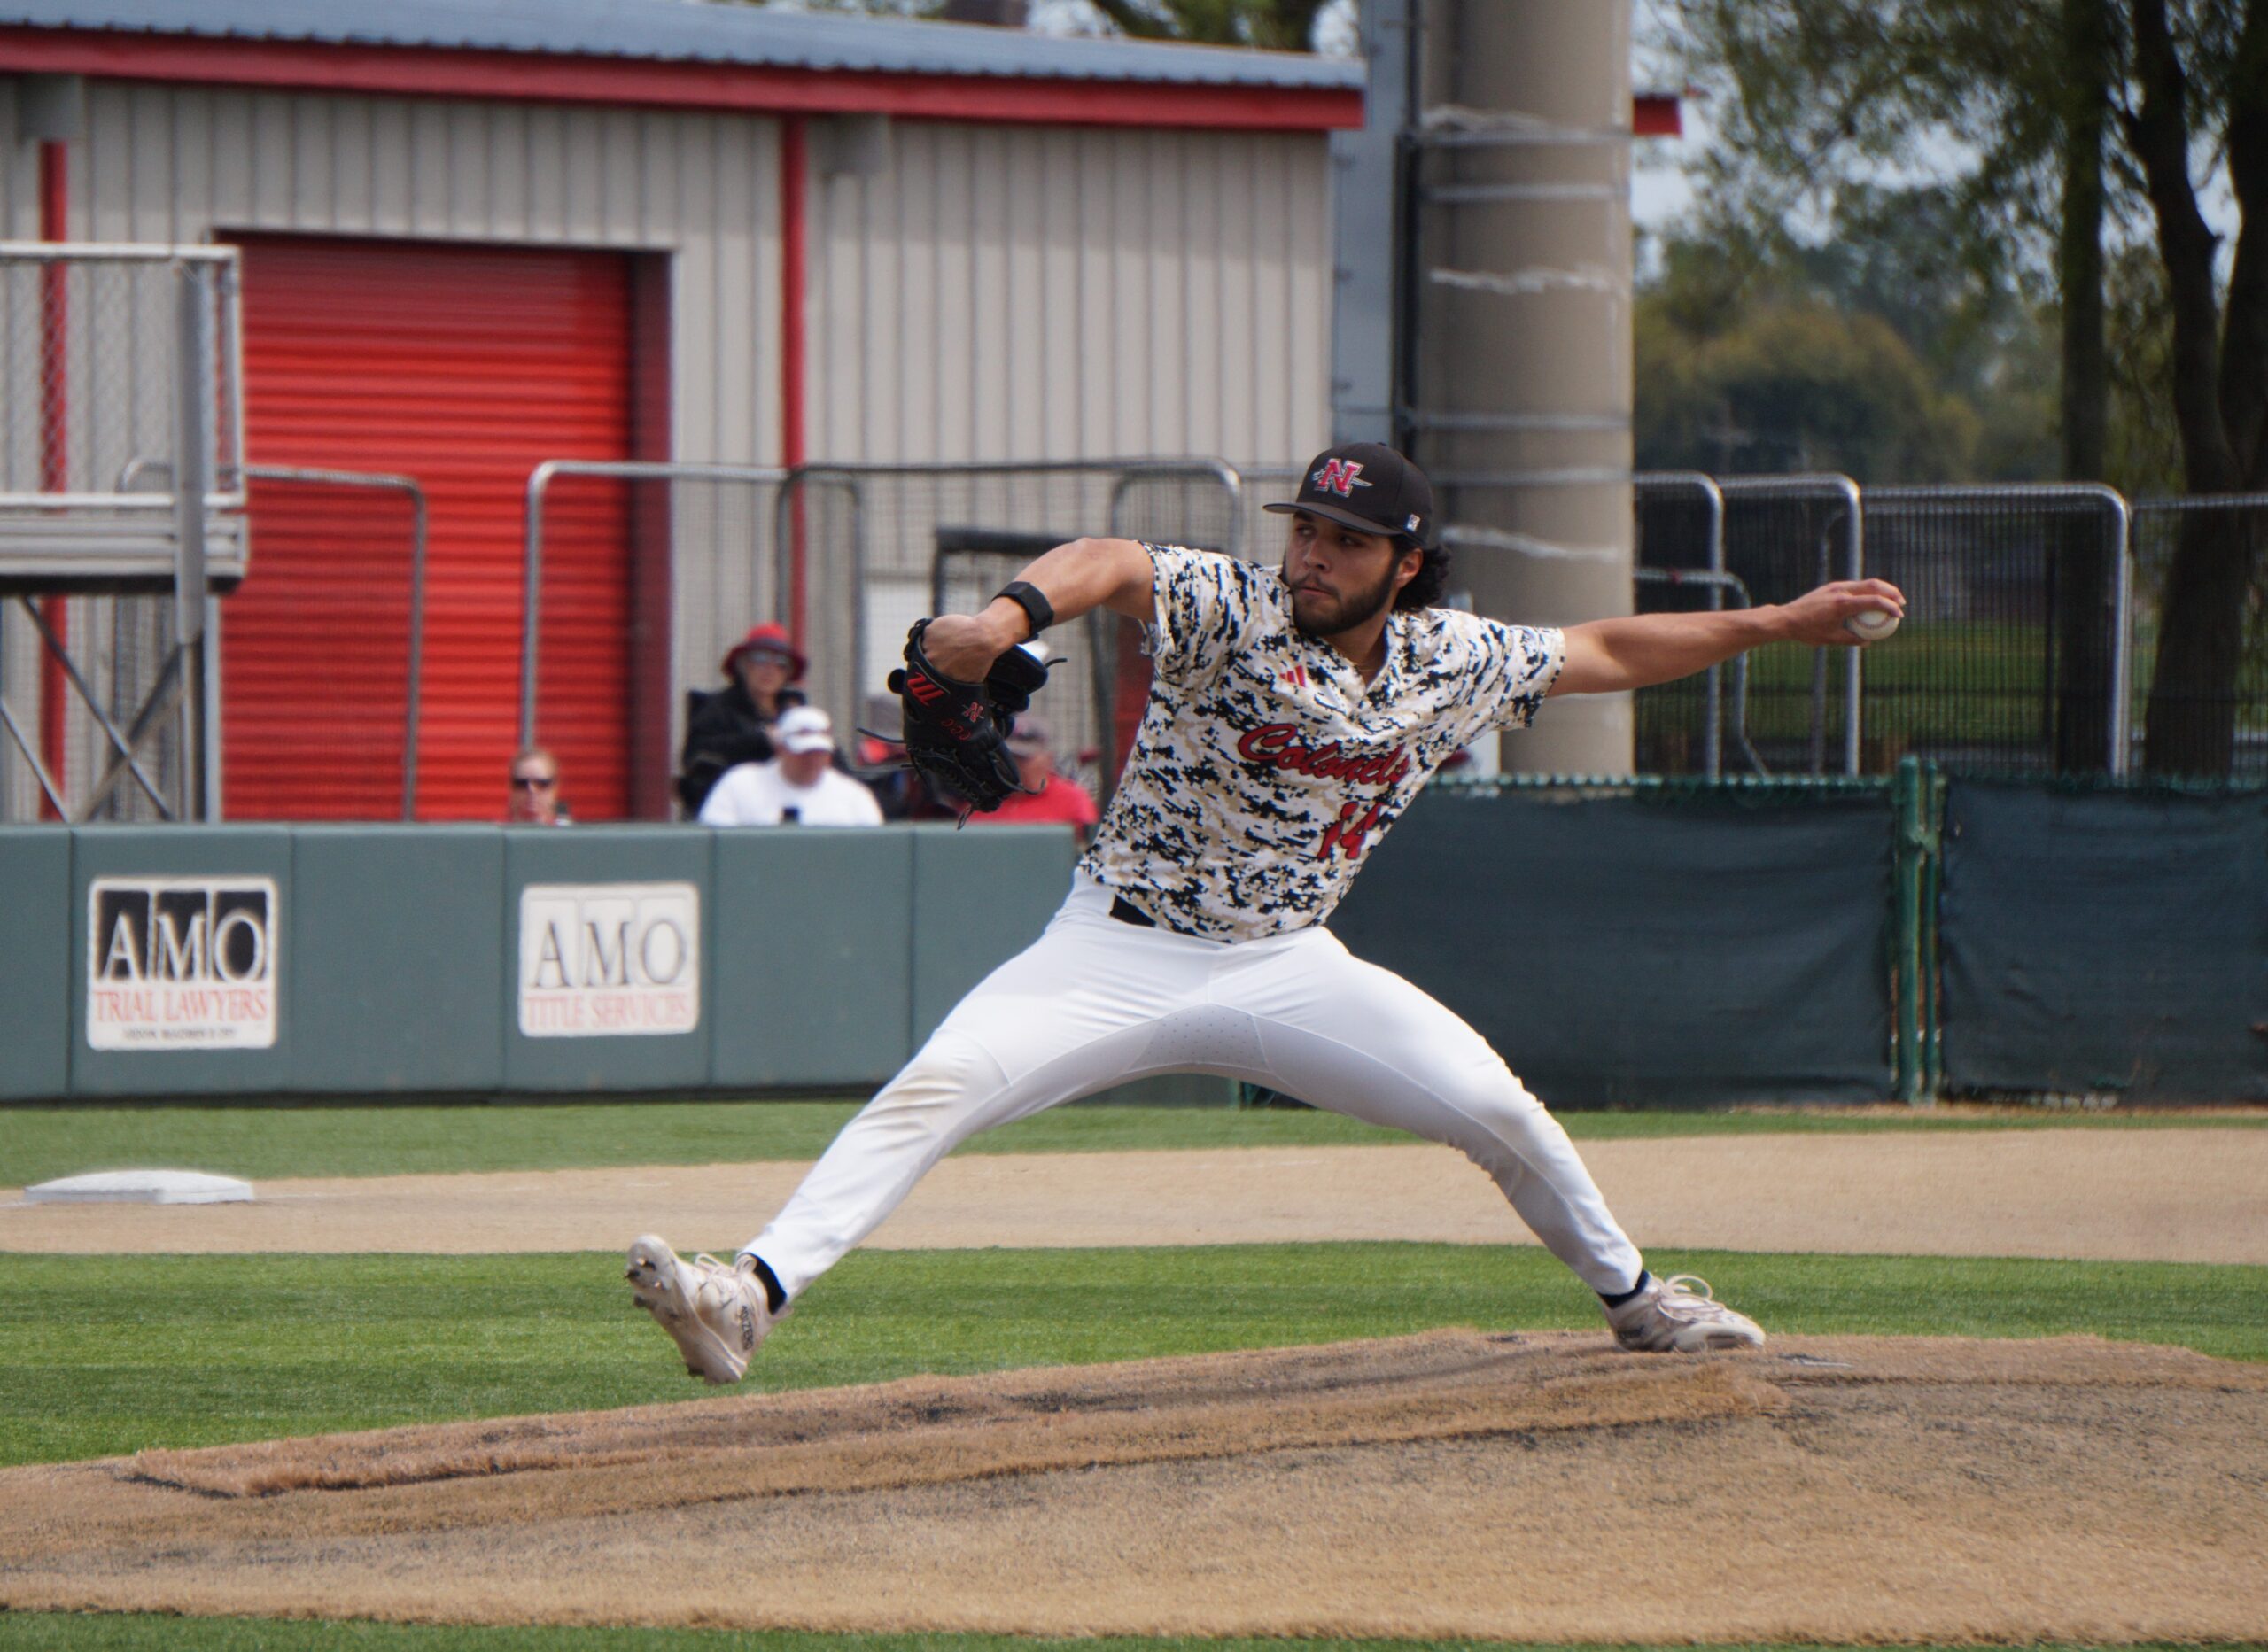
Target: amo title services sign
point(600, 960)
point(181, 963)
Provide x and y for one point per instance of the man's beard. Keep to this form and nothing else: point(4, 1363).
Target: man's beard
point(1358, 609)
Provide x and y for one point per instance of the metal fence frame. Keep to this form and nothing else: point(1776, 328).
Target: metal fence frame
point(2122, 548)
point(56, 541)
point(1712, 500)
point(1129, 472)
point(1718, 583)
point(2175, 507)
point(1827, 486)
point(538, 485)
point(1842, 555)
point(221, 266)
point(386, 482)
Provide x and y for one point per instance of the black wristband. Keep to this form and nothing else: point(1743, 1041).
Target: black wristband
point(1034, 602)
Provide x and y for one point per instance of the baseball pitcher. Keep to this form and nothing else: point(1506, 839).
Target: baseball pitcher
point(1294, 713)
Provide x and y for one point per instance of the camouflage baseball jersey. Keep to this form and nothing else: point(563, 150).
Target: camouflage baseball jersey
point(1266, 768)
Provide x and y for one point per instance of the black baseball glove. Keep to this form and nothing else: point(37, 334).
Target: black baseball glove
point(956, 733)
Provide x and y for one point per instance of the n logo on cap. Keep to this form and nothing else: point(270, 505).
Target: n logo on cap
point(1341, 476)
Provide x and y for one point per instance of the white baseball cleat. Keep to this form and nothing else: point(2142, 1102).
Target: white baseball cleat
point(1679, 1314)
point(717, 1315)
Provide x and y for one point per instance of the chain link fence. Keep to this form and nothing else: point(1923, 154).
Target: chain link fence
point(2237, 717)
point(92, 342)
point(90, 693)
point(1784, 535)
point(2032, 609)
point(343, 551)
point(2014, 660)
point(1679, 555)
point(702, 551)
point(874, 548)
point(122, 369)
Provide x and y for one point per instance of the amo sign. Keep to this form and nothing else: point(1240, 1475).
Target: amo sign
point(181, 963)
point(610, 960)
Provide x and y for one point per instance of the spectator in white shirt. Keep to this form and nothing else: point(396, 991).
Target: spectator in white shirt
point(796, 787)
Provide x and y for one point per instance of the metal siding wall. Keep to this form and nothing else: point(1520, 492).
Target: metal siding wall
point(164, 164)
point(998, 293)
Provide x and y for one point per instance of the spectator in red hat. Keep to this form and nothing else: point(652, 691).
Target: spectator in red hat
point(1048, 798)
point(733, 725)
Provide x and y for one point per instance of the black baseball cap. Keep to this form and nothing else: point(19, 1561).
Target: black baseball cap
point(1368, 488)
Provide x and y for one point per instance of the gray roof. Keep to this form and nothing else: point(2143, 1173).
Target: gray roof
point(691, 31)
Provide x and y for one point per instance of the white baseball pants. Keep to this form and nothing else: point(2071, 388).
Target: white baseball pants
point(1095, 1001)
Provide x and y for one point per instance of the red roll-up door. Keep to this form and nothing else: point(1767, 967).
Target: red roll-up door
point(463, 367)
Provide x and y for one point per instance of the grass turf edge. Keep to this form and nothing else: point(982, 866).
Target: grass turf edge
point(38, 1142)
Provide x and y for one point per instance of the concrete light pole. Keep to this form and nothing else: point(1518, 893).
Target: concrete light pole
point(1516, 378)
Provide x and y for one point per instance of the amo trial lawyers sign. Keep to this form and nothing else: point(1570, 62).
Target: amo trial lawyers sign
point(181, 963)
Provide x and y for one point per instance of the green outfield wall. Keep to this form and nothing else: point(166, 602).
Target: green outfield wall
point(2105, 943)
point(1621, 944)
point(189, 961)
point(1628, 946)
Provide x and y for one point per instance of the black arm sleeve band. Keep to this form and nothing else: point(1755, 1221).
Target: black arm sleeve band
point(1034, 604)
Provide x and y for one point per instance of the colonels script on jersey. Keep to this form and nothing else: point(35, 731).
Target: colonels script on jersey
point(1266, 768)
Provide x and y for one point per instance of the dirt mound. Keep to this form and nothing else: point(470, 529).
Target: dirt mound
point(1530, 1487)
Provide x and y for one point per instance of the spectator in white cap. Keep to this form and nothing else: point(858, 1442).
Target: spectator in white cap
point(800, 786)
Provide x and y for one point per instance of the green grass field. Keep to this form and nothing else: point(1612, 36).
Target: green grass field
point(107, 1354)
point(387, 1139)
point(103, 1355)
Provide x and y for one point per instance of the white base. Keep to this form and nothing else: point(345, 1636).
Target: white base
point(142, 1187)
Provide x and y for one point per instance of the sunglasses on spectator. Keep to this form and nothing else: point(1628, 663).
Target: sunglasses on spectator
point(535, 782)
point(767, 657)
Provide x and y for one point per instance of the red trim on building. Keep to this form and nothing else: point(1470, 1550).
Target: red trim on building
point(54, 446)
point(1657, 114)
point(545, 78)
point(795, 240)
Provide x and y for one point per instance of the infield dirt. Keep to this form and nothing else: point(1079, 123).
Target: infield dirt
point(1452, 1483)
point(2174, 1196)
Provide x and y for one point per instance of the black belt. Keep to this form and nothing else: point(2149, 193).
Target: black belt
point(1127, 912)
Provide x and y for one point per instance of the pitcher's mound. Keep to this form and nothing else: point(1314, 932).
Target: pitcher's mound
point(1448, 1484)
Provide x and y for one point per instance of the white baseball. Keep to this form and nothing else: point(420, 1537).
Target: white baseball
point(1871, 625)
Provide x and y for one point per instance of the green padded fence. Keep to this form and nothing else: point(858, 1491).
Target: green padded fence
point(395, 946)
point(35, 964)
point(188, 961)
point(812, 979)
point(1649, 943)
point(2105, 942)
point(1620, 942)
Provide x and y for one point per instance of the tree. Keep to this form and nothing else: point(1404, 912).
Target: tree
point(1794, 385)
point(2213, 83)
point(1281, 25)
point(2076, 121)
point(1278, 25)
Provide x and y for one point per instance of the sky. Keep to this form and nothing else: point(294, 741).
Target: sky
point(1659, 192)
